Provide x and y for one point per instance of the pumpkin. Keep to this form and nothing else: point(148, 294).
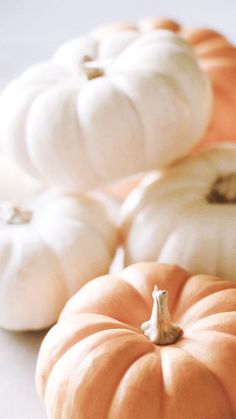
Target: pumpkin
point(118, 191)
point(115, 353)
point(50, 245)
point(99, 111)
point(16, 184)
point(217, 58)
point(186, 215)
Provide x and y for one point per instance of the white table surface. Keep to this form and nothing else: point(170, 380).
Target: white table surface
point(29, 32)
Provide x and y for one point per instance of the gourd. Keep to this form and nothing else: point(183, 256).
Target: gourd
point(101, 110)
point(51, 243)
point(16, 184)
point(105, 359)
point(186, 215)
point(217, 58)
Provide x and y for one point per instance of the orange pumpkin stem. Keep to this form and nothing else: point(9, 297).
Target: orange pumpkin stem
point(159, 329)
point(223, 190)
point(11, 214)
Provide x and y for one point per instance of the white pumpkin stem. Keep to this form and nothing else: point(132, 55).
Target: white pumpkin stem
point(159, 329)
point(223, 190)
point(94, 68)
point(13, 214)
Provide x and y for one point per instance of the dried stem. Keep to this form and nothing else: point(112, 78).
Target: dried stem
point(159, 329)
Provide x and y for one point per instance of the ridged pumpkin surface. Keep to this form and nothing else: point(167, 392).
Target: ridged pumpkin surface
point(100, 111)
point(217, 57)
point(96, 362)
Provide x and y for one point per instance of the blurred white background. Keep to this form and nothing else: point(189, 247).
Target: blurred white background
point(30, 30)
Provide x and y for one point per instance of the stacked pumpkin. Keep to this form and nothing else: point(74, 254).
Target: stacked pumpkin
point(217, 58)
point(103, 108)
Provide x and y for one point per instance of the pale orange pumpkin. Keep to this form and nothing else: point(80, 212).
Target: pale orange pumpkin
point(101, 361)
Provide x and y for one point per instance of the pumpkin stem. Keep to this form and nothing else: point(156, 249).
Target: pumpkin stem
point(94, 68)
point(11, 214)
point(159, 329)
point(223, 190)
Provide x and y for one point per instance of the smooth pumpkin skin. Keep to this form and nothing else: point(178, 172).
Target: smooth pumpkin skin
point(217, 57)
point(16, 184)
point(96, 362)
point(66, 241)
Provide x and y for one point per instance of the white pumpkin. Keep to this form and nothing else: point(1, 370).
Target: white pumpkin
point(14, 183)
point(50, 246)
point(186, 216)
point(101, 110)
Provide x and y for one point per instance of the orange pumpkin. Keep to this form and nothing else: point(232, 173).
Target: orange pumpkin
point(105, 359)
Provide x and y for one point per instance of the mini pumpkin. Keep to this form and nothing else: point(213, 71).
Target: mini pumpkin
point(50, 245)
point(16, 184)
point(217, 58)
point(186, 215)
point(104, 359)
point(101, 110)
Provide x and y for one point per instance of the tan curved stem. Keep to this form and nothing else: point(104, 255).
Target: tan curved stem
point(159, 329)
point(13, 214)
point(94, 68)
